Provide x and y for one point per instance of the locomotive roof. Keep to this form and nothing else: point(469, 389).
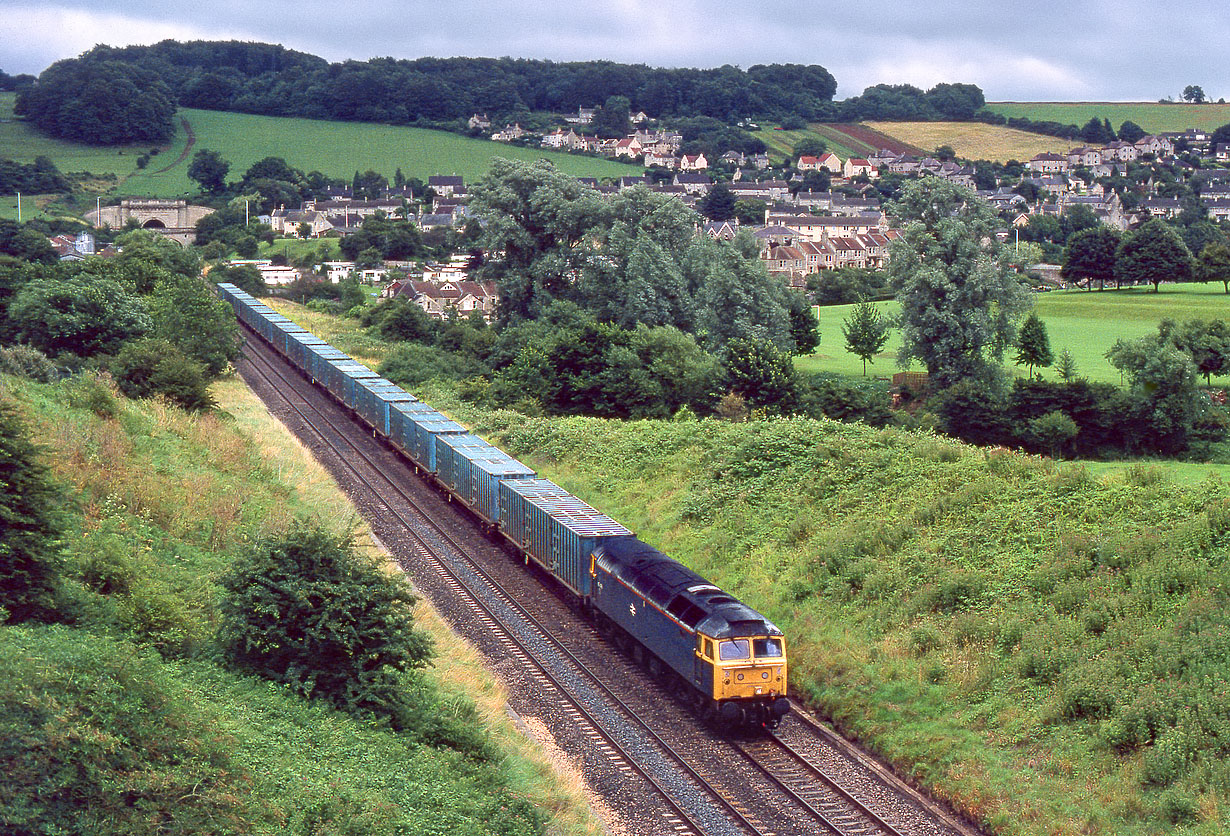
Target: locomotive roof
point(679, 590)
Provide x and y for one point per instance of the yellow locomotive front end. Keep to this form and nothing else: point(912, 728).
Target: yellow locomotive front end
point(749, 679)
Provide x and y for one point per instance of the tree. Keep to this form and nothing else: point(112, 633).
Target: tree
point(1194, 94)
point(305, 609)
point(1053, 431)
point(30, 526)
point(804, 327)
point(1206, 342)
point(1163, 387)
point(244, 276)
point(21, 242)
point(209, 169)
point(1129, 131)
point(203, 327)
point(1033, 345)
point(866, 332)
point(808, 146)
point(960, 301)
point(539, 220)
point(612, 120)
point(1090, 256)
point(762, 374)
point(1153, 254)
point(81, 316)
point(719, 203)
point(1213, 265)
point(1065, 366)
point(99, 102)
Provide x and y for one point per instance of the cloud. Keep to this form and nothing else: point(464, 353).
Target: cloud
point(32, 37)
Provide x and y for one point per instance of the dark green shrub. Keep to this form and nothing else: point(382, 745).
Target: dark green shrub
point(156, 367)
point(307, 610)
point(30, 525)
point(1179, 807)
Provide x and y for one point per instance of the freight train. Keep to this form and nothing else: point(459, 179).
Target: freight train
point(722, 657)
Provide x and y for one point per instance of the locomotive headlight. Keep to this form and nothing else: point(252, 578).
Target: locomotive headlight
point(740, 677)
point(764, 675)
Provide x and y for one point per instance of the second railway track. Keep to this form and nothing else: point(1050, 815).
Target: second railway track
point(701, 793)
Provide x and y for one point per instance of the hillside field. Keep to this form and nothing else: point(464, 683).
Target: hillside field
point(1086, 323)
point(973, 140)
point(337, 149)
point(781, 143)
point(1152, 116)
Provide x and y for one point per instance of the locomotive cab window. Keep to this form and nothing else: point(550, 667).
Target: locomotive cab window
point(767, 648)
point(733, 650)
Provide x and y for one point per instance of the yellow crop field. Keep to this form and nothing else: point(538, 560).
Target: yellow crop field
point(974, 140)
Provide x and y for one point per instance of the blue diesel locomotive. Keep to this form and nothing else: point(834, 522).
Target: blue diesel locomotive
point(724, 658)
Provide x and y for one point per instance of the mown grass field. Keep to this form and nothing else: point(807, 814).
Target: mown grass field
point(1152, 116)
point(1085, 323)
point(973, 140)
point(338, 149)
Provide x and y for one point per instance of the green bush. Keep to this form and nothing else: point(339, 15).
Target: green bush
point(93, 392)
point(150, 367)
point(307, 610)
point(27, 361)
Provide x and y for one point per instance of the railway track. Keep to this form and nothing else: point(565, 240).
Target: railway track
point(476, 588)
point(798, 795)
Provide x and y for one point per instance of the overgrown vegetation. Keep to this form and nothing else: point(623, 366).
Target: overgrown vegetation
point(121, 720)
point(1047, 649)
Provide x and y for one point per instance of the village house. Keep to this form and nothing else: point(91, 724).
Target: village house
point(1048, 163)
point(585, 115)
point(479, 121)
point(693, 162)
point(509, 133)
point(446, 184)
point(693, 182)
point(855, 167)
point(464, 297)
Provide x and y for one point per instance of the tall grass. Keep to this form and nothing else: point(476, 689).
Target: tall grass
point(161, 502)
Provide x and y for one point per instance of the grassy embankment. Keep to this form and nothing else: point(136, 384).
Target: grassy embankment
point(1045, 646)
point(337, 149)
point(159, 737)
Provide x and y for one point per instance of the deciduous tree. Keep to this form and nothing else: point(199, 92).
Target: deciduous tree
point(1033, 345)
point(209, 169)
point(960, 301)
point(866, 331)
point(1213, 265)
point(1153, 254)
point(1090, 256)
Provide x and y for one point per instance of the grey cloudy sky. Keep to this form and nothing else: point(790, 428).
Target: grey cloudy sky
point(1111, 50)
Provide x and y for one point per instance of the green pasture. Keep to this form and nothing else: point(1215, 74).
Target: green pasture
point(1086, 323)
point(1152, 116)
point(338, 149)
point(294, 248)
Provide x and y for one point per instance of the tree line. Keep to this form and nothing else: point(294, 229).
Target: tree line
point(136, 89)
